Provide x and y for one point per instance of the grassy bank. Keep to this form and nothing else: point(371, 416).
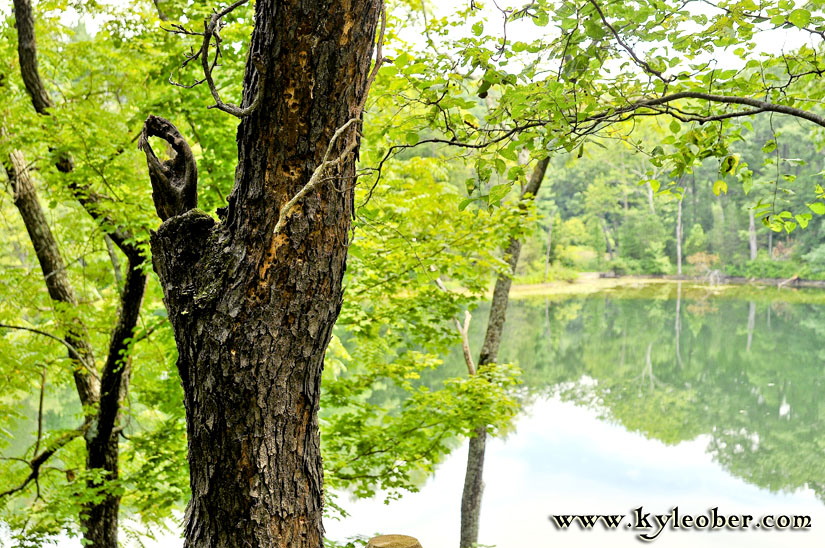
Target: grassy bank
point(637, 287)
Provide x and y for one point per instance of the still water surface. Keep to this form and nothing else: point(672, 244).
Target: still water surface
point(658, 397)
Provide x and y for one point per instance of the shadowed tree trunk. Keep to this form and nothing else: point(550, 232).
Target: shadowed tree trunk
point(252, 298)
point(473, 479)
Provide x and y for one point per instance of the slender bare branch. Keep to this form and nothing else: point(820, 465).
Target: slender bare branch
point(641, 63)
point(74, 353)
point(39, 459)
point(317, 176)
point(464, 331)
point(211, 32)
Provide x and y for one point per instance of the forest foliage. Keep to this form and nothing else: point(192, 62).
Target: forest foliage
point(640, 105)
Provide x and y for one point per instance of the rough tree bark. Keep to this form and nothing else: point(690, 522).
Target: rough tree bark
point(27, 54)
point(473, 478)
point(252, 302)
point(99, 392)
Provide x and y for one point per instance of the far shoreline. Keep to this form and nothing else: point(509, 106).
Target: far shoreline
point(595, 282)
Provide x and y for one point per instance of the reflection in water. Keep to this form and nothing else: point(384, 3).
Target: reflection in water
point(759, 400)
point(660, 397)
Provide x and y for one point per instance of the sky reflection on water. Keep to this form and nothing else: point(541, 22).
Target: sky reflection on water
point(564, 459)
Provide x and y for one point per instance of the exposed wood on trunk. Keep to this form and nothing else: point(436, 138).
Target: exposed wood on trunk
point(253, 308)
point(473, 479)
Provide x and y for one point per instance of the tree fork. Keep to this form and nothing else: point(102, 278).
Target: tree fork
point(252, 302)
point(99, 519)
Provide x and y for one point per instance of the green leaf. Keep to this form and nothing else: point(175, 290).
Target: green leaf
point(729, 164)
point(497, 192)
point(464, 203)
point(478, 28)
point(675, 126)
point(509, 153)
point(803, 219)
point(719, 187)
point(800, 17)
point(402, 59)
point(817, 207)
point(501, 166)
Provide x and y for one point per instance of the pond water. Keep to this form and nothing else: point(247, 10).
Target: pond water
point(658, 397)
point(663, 397)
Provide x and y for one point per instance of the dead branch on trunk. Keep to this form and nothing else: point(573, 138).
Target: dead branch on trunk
point(464, 331)
point(175, 181)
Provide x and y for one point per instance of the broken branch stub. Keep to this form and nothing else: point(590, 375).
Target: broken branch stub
point(174, 181)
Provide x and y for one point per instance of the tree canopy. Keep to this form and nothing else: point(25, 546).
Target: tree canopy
point(637, 109)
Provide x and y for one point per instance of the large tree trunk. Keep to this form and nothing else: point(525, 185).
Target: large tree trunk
point(473, 479)
point(253, 305)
